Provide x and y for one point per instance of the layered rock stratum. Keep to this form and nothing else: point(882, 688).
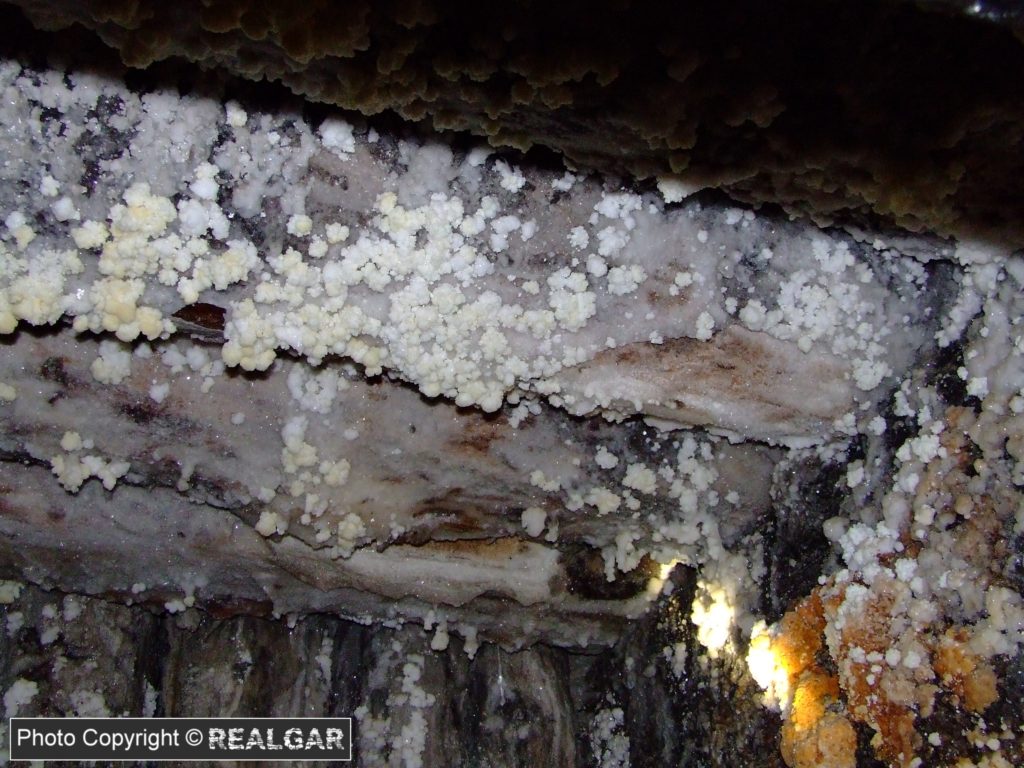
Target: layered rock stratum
point(695, 441)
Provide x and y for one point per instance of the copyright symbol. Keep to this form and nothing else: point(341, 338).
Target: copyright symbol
point(193, 737)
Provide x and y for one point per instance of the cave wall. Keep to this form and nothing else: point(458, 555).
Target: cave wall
point(906, 112)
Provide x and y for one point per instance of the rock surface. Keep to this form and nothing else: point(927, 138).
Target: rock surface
point(909, 111)
point(304, 413)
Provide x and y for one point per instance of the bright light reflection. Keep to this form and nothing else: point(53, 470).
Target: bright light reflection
point(713, 615)
point(766, 667)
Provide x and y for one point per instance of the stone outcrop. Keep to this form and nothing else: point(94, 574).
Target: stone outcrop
point(906, 111)
point(519, 461)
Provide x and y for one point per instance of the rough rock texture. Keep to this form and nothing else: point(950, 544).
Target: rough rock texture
point(911, 112)
point(91, 658)
point(314, 484)
point(302, 413)
point(540, 706)
point(181, 522)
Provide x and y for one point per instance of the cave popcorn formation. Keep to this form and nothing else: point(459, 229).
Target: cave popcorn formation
point(386, 281)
